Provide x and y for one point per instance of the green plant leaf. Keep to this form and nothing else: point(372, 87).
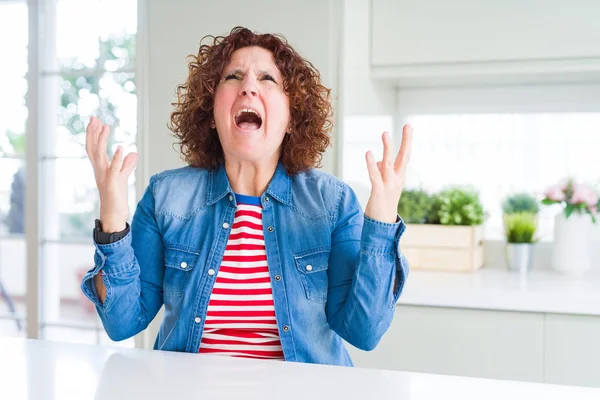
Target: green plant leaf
point(520, 202)
point(520, 227)
point(414, 206)
point(569, 210)
point(549, 202)
point(458, 206)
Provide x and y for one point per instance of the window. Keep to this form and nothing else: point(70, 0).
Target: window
point(86, 67)
point(497, 154)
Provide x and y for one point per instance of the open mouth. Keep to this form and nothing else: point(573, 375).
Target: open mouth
point(248, 119)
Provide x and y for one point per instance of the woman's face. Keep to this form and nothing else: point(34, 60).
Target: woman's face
point(251, 110)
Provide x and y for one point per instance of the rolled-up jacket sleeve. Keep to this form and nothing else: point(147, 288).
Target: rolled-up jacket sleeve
point(366, 273)
point(133, 271)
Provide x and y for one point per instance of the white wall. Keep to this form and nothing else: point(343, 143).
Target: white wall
point(174, 31)
point(360, 94)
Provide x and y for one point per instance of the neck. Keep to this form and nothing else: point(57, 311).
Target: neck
point(249, 178)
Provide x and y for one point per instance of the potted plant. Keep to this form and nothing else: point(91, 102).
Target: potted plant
point(444, 230)
point(520, 229)
point(414, 206)
point(573, 228)
point(520, 225)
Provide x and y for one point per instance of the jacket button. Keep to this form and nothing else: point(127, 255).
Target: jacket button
point(211, 272)
point(270, 229)
point(286, 328)
point(225, 225)
point(197, 320)
point(277, 277)
point(309, 267)
point(267, 199)
point(230, 198)
point(183, 265)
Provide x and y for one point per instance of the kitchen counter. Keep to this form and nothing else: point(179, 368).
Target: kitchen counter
point(499, 289)
point(43, 370)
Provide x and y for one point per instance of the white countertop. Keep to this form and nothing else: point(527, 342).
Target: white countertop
point(42, 370)
point(499, 289)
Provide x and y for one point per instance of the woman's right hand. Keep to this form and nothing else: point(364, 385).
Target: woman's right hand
point(111, 176)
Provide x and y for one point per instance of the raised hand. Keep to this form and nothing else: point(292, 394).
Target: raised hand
point(111, 176)
point(388, 177)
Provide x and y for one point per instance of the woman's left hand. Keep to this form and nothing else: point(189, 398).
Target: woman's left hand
point(387, 178)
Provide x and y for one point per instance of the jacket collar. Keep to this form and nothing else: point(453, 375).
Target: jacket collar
point(280, 187)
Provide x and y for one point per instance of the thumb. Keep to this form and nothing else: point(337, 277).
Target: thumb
point(129, 163)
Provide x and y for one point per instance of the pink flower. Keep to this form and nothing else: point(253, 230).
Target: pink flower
point(555, 193)
point(583, 195)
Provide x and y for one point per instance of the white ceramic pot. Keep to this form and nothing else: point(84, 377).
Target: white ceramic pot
point(519, 257)
point(572, 254)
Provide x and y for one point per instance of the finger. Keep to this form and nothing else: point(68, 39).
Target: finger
point(388, 151)
point(129, 164)
point(101, 155)
point(405, 148)
point(374, 174)
point(117, 161)
point(90, 139)
point(95, 126)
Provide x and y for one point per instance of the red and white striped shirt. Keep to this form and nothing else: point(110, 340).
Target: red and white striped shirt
point(240, 320)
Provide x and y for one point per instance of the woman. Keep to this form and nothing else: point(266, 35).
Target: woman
point(252, 252)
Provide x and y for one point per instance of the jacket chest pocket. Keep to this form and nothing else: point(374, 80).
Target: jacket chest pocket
point(312, 266)
point(179, 265)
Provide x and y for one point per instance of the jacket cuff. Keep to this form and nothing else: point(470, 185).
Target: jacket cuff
point(382, 237)
point(114, 258)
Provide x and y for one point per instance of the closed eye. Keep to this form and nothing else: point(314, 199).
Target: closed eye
point(268, 77)
point(232, 76)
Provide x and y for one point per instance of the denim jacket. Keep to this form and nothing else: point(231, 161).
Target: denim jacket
point(177, 240)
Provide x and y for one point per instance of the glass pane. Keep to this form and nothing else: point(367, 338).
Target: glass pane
point(63, 266)
point(106, 41)
point(10, 328)
point(12, 197)
point(110, 96)
point(13, 41)
point(71, 200)
point(13, 287)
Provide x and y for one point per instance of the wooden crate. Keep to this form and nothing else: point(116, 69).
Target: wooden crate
point(443, 248)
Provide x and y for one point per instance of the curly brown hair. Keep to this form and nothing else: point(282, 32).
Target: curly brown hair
point(310, 106)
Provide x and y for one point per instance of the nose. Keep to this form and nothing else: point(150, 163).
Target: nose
point(248, 87)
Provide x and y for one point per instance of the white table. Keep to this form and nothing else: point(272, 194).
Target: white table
point(35, 370)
